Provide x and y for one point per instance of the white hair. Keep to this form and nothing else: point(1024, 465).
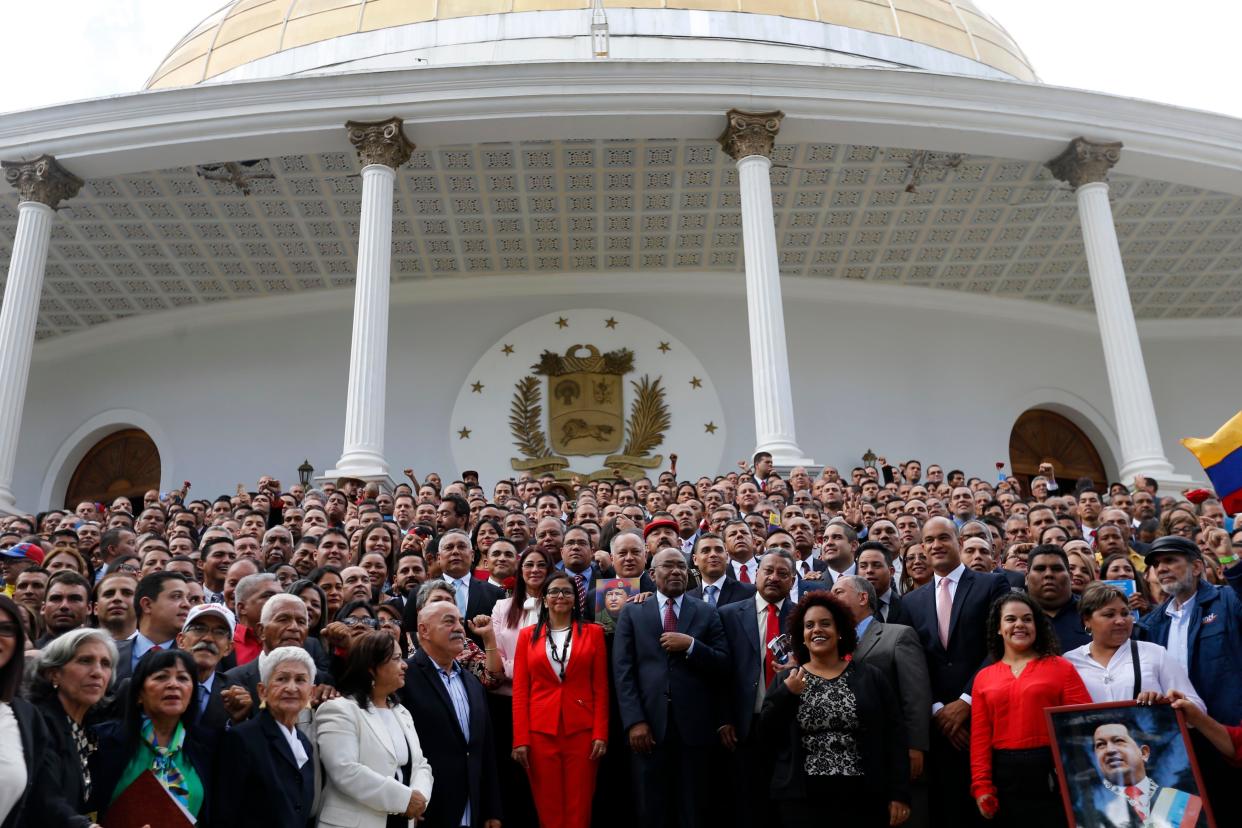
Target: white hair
point(278, 602)
point(268, 662)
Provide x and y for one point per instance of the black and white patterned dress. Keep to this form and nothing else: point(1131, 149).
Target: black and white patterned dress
point(828, 718)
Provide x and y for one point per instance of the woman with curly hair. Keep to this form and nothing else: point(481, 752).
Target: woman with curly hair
point(828, 721)
point(1012, 772)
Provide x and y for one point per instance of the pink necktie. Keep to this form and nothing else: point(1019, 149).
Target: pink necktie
point(944, 610)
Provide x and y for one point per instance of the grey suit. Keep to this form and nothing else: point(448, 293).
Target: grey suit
point(896, 651)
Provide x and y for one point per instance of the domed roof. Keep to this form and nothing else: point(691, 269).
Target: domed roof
point(246, 31)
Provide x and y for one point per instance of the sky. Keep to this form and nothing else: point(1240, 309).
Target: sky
point(65, 50)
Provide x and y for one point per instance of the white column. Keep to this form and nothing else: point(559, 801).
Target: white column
point(382, 147)
point(1084, 165)
point(748, 139)
point(43, 184)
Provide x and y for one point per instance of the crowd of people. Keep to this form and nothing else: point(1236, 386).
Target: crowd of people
point(876, 647)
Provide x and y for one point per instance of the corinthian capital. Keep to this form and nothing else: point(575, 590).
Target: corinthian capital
point(750, 133)
point(380, 142)
point(1085, 162)
point(43, 180)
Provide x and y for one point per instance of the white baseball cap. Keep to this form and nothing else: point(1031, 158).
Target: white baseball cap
point(215, 609)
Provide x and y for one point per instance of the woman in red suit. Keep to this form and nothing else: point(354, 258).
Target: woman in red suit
point(560, 706)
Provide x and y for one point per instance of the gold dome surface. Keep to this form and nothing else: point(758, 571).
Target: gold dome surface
point(248, 30)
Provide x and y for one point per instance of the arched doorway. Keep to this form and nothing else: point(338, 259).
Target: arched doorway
point(1042, 436)
point(123, 464)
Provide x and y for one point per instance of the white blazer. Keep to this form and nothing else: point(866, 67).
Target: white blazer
point(362, 785)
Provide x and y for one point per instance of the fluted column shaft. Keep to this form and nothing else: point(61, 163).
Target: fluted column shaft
point(1084, 165)
point(748, 139)
point(18, 316)
point(41, 184)
point(363, 452)
point(382, 147)
point(1137, 429)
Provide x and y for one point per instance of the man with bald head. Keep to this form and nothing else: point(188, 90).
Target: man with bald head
point(669, 659)
point(950, 613)
point(449, 709)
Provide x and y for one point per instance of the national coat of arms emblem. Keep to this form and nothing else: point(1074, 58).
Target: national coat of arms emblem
point(586, 407)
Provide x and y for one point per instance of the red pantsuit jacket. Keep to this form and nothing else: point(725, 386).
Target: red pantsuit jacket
point(544, 704)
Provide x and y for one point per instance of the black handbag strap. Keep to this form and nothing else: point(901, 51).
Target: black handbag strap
point(1138, 673)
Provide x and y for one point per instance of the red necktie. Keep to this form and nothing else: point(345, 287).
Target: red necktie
point(670, 617)
point(155, 648)
point(774, 629)
point(744, 574)
point(1135, 796)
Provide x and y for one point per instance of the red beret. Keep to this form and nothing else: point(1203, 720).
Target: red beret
point(661, 523)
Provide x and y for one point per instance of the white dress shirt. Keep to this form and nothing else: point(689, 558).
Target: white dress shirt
point(295, 744)
point(852, 569)
point(751, 567)
point(1179, 630)
point(761, 620)
point(559, 639)
point(12, 762)
point(719, 585)
point(1158, 672)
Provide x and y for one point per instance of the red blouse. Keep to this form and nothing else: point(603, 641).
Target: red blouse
point(1008, 713)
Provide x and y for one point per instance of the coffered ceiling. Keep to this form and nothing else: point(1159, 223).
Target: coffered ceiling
point(141, 244)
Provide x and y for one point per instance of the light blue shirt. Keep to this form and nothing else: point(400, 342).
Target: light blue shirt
point(461, 706)
point(143, 645)
point(861, 629)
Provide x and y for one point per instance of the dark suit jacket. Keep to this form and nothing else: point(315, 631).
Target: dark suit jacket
point(897, 612)
point(952, 670)
point(41, 804)
point(881, 738)
point(731, 591)
point(1017, 581)
point(461, 768)
point(741, 630)
point(650, 680)
point(258, 782)
point(247, 676)
point(63, 801)
point(124, 657)
point(895, 649)
point(110, 759)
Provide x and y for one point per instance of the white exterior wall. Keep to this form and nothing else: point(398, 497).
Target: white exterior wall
point(231, 400)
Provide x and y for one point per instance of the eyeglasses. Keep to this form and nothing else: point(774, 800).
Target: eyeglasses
point(389, 622)
point(8, 630)
point(560, 593)
point(222, 633)
point(366, 622)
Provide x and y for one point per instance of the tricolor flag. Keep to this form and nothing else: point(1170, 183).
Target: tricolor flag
point(1221, 457)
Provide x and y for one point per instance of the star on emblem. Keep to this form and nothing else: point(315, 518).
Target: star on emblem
point(463, 434)
point(610, 323)
point(476, 387)
point(507, 350)
point(695, 382)
point(710, 428)
point(562, 322)
point(665, 347)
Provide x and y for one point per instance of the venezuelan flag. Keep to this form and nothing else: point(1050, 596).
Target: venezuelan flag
point(1221, 457)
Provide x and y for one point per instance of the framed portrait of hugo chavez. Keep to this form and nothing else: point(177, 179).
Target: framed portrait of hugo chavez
point(1126, 765)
